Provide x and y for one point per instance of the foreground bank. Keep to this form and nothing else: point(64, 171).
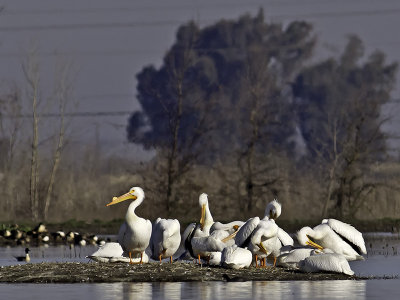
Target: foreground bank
point(151, 272)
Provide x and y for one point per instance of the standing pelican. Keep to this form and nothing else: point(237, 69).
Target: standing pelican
point(165, 238)
point(202, 243)
point(340, 237)
point(263, 240)
point(134, 234)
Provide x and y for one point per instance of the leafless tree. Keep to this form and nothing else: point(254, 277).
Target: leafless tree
point(31, 72)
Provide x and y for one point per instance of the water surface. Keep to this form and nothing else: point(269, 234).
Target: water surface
point(382, 260)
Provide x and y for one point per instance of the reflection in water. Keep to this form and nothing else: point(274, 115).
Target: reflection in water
point(336, 289)
point(235, 290)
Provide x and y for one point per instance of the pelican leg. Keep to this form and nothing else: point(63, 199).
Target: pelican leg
point(264, 263)
point(198, 256)
point(159, 258)
point(141, 258)
point(274, 261)
point(130, 258)
point(256, 260)
point(170, 259)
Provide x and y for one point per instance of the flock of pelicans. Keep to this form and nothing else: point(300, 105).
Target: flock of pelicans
point(326, 247)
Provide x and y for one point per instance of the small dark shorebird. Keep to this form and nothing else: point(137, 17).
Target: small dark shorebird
point(24, 258)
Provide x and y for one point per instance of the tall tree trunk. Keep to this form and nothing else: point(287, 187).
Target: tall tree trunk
point(34, 178)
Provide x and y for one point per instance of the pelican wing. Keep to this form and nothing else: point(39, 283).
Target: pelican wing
point(122, 234)
point(293, 257)
point(326, 262)
point(227, 227)
point(349, 234)
point(242, 238)
point(236, 258)
point(284, 237)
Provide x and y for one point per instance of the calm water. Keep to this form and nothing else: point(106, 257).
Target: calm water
point(382, 260)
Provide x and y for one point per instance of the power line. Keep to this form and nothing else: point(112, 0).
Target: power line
point(80, 26)
point(73, 114)
point(199, 5)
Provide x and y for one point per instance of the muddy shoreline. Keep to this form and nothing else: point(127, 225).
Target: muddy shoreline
point(151, 272)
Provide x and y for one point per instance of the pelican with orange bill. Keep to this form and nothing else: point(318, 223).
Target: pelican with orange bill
point(134, 234)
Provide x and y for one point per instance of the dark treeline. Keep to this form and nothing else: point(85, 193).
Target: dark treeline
point(238, 104)
point(238, 111)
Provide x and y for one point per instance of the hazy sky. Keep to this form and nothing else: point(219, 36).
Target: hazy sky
point(109, 42)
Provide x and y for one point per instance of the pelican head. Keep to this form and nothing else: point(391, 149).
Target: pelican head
point(273, 210)
point(206, 219)
point(304, 236)
point(133, 194)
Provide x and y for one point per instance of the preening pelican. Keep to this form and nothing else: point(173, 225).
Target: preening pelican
point(329, 262)
point(235, 257)
point(273, 210)
point(246, 236)
point(165, 238)
point(242, 238)
point(134, 234)
point(264, 240)
point(202, 244)
point(232, 257)
point(206, 219)
point(344, 239)
point(226, 232)
point(113, 252)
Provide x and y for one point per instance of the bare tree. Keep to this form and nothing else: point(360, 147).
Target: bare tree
point(10, 125)
point(31, 72)
point(61, 95)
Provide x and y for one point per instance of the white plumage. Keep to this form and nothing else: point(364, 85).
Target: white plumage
point(165, 238)
point(323, 236)
point(235, 257)
point(263, 240)
point(330, 262)
point(134, 234)
point(290, 259)
point(113, 252)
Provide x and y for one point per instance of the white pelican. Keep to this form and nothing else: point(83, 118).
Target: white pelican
point(245, 235)
point(113, 252)
point(291, 257)
point(206, 219)
point(165, 238)
point(264, 240)
point(226, 232)
point(342, 238)
point(235, 257)
point(329, 262)
point(273, 210)
point(201, 242)
point(26, 257)
point(185, 249)
point(134, 234)
point(232, 257)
